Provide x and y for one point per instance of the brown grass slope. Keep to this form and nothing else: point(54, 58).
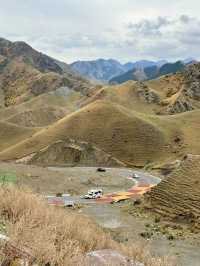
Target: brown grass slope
point(130, 95)
point(178, 196)
point(26, 73)
point(158, 96)
point(76, 153)
point(170, 94)
point(12, 134)
point(39, 117)
point(129, 136)
point(21, 81)
point(50, 101)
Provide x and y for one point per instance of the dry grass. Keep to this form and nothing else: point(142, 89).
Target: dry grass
point(39, 117)
point(11, 134)
point(126, 135)
point(58, 236)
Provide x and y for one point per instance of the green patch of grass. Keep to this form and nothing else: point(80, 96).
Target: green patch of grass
point(7, 178)
point(2, 227)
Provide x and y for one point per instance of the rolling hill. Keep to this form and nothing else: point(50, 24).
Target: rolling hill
point(169, 94)
point(122, 120)
point(133, 138)
point(136, 123)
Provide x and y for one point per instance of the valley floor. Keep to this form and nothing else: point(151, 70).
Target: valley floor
point(116, 218)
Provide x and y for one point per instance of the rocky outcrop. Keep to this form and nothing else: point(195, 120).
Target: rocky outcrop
point(147, 94)
point(73, 153)
point(180, 105)
point(192, 84)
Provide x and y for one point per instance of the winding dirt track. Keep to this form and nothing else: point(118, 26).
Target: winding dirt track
point(142, 184)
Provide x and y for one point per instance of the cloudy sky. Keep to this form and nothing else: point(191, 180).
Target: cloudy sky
point(127, 30)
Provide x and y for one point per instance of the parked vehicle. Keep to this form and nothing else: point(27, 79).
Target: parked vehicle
point(94, 194)
point(100, 169)
point(69, 203)
point(135, 176)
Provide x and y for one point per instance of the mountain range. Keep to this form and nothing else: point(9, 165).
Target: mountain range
point(105, 70)
point(113, 71)
point(149, 73)
point(43, 101)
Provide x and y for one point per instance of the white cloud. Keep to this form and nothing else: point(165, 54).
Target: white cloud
point(87, 29)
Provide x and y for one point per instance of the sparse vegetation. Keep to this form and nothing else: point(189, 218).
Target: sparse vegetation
point(7, 178)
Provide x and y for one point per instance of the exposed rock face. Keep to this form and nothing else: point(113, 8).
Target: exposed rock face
point(192, 76)
point(186, 95)
point(180, 105)
point(109, 257)
point(177, 197)
point(71, 152)
point(148, 95)
point(189, 92)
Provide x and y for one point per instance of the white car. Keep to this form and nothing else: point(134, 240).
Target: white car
point(94, 194)
point(135, 176)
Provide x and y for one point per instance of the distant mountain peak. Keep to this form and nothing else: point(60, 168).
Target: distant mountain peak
point(105, 69)
point(150, 72)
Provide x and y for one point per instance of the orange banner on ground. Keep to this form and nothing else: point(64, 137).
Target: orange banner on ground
point(124, 195)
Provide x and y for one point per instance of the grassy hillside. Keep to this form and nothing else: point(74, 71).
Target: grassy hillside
point(26, 73)
point(130, 136)
point(131, 95)
point(12, 134)
point(177, 197)
point(168, 94)
point(42, 110)
point(37, 117)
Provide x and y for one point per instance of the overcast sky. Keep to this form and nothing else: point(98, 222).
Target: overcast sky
point(127, 30)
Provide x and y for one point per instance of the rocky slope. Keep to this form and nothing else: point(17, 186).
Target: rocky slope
point(169, 94)
point(26, 73)
point(186, 96)
point(69, 152)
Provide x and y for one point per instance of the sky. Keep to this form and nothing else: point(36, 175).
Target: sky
point(126, 30)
